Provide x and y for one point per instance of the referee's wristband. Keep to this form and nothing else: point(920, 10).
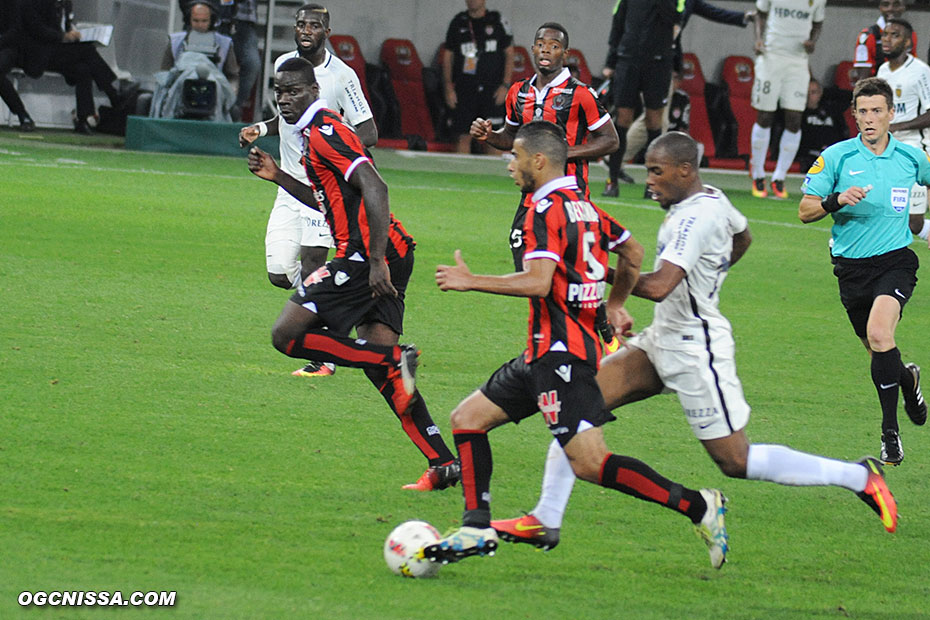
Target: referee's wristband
point(831, 204)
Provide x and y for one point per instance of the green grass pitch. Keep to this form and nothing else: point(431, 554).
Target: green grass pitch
point(152, 439)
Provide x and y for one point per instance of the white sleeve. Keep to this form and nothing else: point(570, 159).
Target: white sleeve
point(736, 221)
point(923, 88)
point(820, 12)
point(688, 240)
point(352, 101)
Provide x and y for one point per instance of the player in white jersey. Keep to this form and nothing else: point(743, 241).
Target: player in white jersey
point(689, 349)
point(297, 238)
point(909, 78)
point(786, 35)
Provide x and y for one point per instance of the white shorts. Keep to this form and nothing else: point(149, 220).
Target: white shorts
point(781, 79)
point(710, 393)
point(291, 225)
point(918, 199)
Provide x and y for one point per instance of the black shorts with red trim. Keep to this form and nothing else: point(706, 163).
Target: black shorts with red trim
point(559, 385)
point(861, 280)
point(339, 293)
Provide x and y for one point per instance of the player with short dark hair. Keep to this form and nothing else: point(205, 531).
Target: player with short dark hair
point(552, 94)
point(864, 184)
point(567, 244)
point(689, 349)
point(868, 55)
point(364, 284)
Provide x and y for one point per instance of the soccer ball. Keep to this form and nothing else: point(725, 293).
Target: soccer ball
point(403, 543)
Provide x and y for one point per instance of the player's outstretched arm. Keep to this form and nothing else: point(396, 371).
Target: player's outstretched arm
point(262, 165)
point(656, 285)
point(534, 281)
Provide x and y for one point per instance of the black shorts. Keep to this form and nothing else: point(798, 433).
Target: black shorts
point(861, 280)
point(558, 384)
point(338, 292)
point(633, 76)
point(474, 100)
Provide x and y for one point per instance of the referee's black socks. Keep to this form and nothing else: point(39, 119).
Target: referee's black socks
point(887, 373)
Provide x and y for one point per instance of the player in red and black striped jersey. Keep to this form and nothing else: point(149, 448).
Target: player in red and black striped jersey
point(552, 95)
point(567, 243)
point(364, 284)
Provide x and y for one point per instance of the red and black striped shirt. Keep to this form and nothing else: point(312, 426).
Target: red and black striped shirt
point(571, 105)
point(332, 152)
point(567, 228)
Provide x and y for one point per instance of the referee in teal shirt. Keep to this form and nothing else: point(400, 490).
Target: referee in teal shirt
point(864, 183)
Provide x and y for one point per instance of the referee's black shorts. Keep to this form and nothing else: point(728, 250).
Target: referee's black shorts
point(650, 76)
point(861, 280)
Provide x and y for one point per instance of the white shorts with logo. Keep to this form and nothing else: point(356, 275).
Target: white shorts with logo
point(291, 225)
point(782, 79)
point(710, 393)
point(918, 199)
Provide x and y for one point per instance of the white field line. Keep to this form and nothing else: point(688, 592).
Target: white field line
point(74, 165)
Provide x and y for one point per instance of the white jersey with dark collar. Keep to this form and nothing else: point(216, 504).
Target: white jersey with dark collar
point(697, 235)
point(340, 87)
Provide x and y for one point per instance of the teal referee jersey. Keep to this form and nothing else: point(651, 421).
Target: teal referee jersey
point(879, 223)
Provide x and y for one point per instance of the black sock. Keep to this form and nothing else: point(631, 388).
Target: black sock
point(475, 454)
point(321, 345)
point(416, 421)
point(886, 374)
point(633, 477)
point(615, 161)
point(652, 134)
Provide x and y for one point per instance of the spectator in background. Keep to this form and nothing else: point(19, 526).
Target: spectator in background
point(10, 33)
point(477, 68)
point(869, 55)
point(639, 59)
point(51, 43)
point(820, 127)
point(202, 18)
point(238, 19)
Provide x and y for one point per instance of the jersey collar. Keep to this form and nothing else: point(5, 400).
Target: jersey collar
point(567, 182)
point(308, 114)
point(865, 152)
point(561, 78)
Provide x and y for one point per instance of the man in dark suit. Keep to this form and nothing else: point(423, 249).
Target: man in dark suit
point(51, 43)
point(9, 49)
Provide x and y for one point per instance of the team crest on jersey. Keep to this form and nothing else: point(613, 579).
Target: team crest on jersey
point(327, 129)
point(817, 166)
point(558, 102)
point(897, 93)
point(542, 205)
point(550, 406)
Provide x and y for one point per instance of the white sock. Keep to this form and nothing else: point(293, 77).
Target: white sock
point(785, 466)
point(759, 141)
point(557, 484)
point(787, 149)
point(925, 231)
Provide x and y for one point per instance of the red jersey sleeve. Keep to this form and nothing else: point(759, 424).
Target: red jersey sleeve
point(543, 230)
point(594, 113)
point(337, 147)
point(513, 106)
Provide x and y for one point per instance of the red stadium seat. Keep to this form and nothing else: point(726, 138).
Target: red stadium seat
point(738, 76)
point(522, 64)
point(844, 78)
point(400, 58)
point(574, 58)
point(692, 82)
point(346, 48)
